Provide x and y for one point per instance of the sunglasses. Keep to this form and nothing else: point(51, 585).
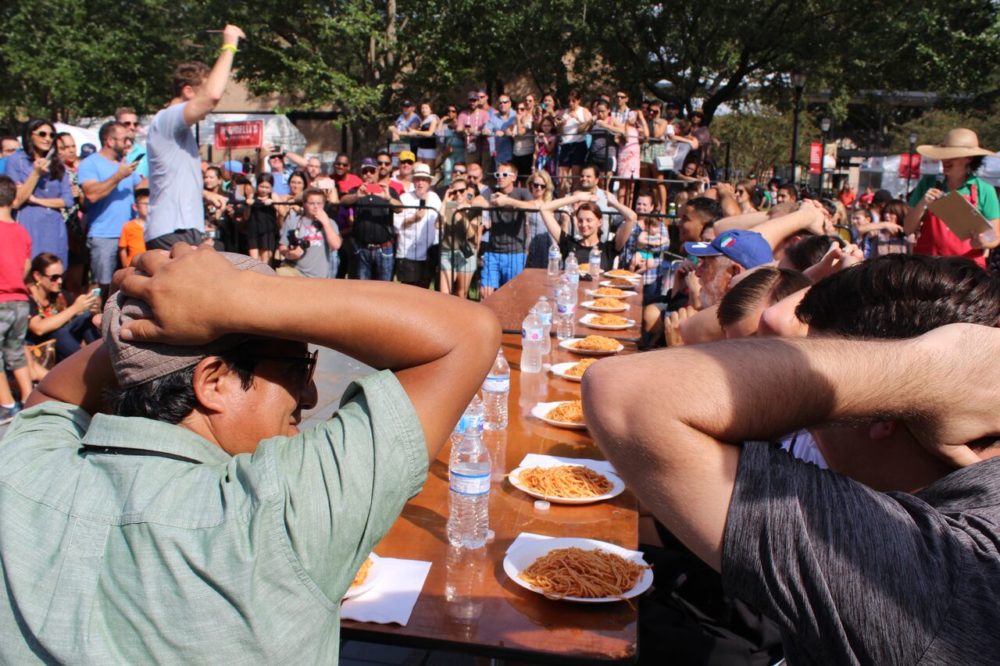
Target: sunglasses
point(55, 277)
point(44, 134)
point(307, 362)
point(385, 162)
point(129, 123)
point(521, 108)
point(622, 96)
point(401, 162)
point(365, 170)
point(503, 174)
point(538, 186)
point(505, 101)
point(341, 164)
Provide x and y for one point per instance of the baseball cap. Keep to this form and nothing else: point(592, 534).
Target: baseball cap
point(747, 248)
point(368, 163)
point(408, 102)
point(87, 149)
point(421, 170)
point(233, 166)
point(136, 363)
point(407, 155)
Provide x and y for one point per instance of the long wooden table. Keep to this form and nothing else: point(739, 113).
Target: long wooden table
point(512, 302)
point(468, 603)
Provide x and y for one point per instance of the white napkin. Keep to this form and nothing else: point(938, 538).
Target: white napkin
point(393, 597)
point(540, 460)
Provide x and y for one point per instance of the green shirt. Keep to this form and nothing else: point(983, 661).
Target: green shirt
point(986, 195)
point(128, 559)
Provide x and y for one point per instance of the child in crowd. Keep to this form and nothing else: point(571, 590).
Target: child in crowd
point(132, 241)
point(15, 258)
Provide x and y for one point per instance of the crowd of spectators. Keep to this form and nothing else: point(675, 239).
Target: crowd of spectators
point(863, 466)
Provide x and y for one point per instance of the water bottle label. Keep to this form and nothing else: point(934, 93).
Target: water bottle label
point(531, 334)
point(468, 421)
point(546, 318)
point(468, 484)
point(497, 384)
point(565, 309)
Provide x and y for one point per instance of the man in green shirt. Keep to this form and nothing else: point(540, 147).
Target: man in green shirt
point(198, 524)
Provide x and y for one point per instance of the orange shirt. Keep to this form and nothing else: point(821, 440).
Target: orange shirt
point(133, 240)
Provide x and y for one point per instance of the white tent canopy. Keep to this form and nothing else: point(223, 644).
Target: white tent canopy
point(883, 172)
point(80, 135)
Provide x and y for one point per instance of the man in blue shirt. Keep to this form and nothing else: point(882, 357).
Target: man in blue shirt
point(8, 146)
point(502, 125)
point(108, 183)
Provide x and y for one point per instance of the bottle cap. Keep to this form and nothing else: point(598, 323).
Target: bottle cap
point(542, 505)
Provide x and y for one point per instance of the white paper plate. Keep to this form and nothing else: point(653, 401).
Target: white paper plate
point(559, 370)
point(541, 409)
point(590, 306)
point(634, 277)
point(588, 318)
point(617, 487)
point(372, 580)
point(567, 345)
point(520, 558)
point(625, 293)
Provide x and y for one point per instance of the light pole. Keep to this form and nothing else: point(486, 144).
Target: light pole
point(909, 162)
point(824, 126)
point(799, 83)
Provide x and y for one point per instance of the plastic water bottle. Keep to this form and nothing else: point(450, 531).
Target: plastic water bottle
point(572, 270)
point(531, 343)
point(552, 271)
point(595, 262)
point(496, 390)
point(544, 311)
point(565, 311)
point(472, 417)
point(469, 492)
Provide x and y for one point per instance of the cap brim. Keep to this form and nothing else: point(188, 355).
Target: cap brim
point(951, 152)
point(701, 249)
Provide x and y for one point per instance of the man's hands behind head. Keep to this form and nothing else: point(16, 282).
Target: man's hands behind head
point(192, 292)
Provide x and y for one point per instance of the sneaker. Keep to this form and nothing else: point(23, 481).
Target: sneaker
point(7, 414)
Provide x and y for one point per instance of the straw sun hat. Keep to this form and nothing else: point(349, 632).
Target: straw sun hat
point(959, 142)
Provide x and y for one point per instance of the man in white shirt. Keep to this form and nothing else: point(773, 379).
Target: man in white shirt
point(416, 229)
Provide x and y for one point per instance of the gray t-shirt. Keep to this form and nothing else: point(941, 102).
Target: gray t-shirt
point(316, 261)
point(508, 232)
point(175, 180)
point(854, 576)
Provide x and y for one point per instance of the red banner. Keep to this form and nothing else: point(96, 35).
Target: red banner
point(909, 166)
point(241, 134)
point(815, 157)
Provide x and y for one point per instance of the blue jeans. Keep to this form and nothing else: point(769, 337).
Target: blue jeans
point(499, 269)
point(334, 263)
point(375, 264)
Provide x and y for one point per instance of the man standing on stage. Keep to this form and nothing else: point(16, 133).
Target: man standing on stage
point(175, 178)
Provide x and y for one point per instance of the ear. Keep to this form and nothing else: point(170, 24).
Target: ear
point(880, 430)
point(214, 384)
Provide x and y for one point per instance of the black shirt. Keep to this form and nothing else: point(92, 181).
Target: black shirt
point(508, 230)
point(569, 244)
point(372, 220)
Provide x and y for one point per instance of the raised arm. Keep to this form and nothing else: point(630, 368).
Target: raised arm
point(625, 228)
point(440, 348)
point(208, 94)
point(680, 459)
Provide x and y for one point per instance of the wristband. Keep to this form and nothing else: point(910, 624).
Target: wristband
point(229, 47)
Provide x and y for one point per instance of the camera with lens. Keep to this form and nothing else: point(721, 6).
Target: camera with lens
point(295, 241)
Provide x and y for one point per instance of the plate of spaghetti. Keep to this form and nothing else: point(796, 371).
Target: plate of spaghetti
point(563, 414)
point(592, 345)
point(606, 322)
point(582, 570)
point(572, 371)
point(622, 274)
point(611, 292)
point(619, 283)
point(567, 484)
point(606, 305)
point(365, 579)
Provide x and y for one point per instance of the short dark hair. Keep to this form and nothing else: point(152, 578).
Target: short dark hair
point(593, 167)
point(710, 208)
point(141, 193)
point(897, 207)
point(766, 285)
point(791, 189)
point(188, 74)
point(171, 398)
point(122, 110)
point(106, 130)
point(312, 192)
point(810, 249)
point(8, 192)
point(902, 296)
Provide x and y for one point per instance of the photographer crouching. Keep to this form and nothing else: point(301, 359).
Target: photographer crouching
point(307, 238)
